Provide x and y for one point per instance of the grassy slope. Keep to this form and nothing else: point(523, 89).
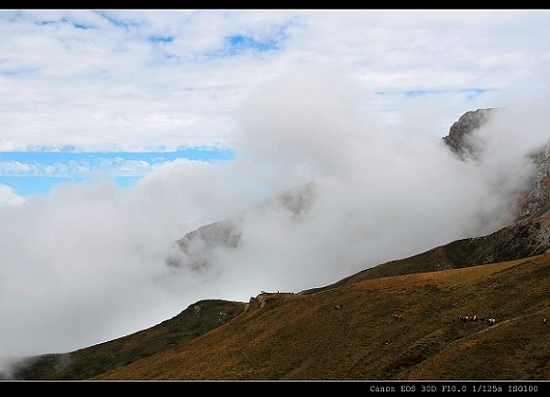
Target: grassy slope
point(305, 337)
point(522, 240)
point(94, 360)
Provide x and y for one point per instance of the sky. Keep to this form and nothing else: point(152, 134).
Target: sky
point(122, 130)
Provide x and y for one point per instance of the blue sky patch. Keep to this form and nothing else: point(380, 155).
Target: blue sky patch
point(35, 185)
point(239, 44)
point(42, 23)
point(471, 92)
point(161, 39)
point(50, 157)
point(81, 26)
point(36, 172)
point(123, 23)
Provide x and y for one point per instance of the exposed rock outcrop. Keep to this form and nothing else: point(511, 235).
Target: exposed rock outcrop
point(535, 201)
point(532, 202)
point(197, 249)
point(461, 130)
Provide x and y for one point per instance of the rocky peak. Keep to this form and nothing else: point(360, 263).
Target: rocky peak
point(461, 130)
point(535, 200)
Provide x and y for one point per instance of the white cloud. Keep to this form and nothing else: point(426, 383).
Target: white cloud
point(9, 197)
point(99, 81)
point(87, 263)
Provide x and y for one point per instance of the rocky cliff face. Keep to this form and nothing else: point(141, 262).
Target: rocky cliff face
point(461, 130)
point(535, 200)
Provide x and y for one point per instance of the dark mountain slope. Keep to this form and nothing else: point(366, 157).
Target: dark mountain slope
point(196, 320)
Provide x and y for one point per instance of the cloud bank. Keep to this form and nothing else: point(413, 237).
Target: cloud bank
point(88, 263)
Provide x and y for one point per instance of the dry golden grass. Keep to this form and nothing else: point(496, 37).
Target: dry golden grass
point(306, 337)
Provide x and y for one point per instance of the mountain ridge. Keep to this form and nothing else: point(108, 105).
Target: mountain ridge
point(390, 328)
point(116, 359)
point(369, 325)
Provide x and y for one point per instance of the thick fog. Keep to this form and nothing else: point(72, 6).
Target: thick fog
point(89, 262)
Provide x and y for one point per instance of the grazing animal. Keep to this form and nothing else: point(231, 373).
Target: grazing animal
point(338, 307)
point(398, 316)
point(490, 320)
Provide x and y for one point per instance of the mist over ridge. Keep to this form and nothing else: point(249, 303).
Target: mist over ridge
point(88, 263)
